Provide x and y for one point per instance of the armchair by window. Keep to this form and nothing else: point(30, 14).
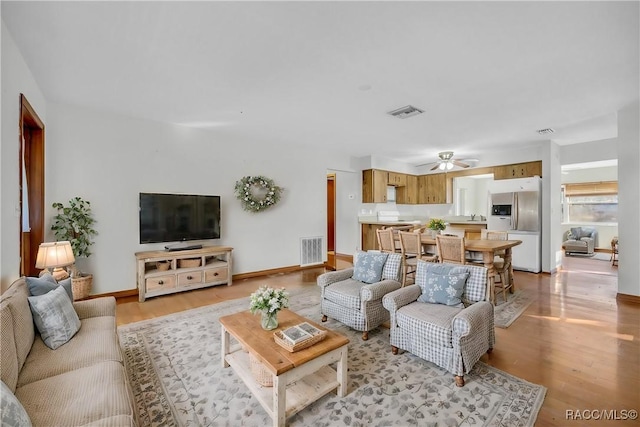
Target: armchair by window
point(353, 296)
point(579, 240)
point(444, 318)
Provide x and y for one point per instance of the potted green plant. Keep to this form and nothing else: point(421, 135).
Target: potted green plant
point(75, 224)
point(436, 225)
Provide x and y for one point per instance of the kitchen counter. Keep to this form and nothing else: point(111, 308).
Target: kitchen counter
point(466, 222)
point(391, 223)
point(369, 237)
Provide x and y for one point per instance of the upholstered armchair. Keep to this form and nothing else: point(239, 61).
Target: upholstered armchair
point(445, 317)
point(353, 296)
point(579, 240)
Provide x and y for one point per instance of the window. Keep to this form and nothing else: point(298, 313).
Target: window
point(594, 202)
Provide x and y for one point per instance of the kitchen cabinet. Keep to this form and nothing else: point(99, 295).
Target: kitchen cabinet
point(518, 170)
point(432, 189)
point(408, 195)
point(374, 186)
point(396, 179)
point(369, 236)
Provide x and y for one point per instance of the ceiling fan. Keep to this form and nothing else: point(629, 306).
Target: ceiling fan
point(447, 162)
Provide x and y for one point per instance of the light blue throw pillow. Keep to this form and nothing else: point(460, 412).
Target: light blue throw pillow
point(12, 413)
point(368, 266)
point(54, 317)
point(441, 283)
point(46, 283)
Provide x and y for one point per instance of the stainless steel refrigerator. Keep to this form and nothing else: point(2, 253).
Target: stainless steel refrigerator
point(519, 213)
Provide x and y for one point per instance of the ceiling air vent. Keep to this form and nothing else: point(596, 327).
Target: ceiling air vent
point(546, 131)
point(405, 112)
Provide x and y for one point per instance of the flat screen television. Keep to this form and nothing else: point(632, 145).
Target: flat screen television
point(178, 217)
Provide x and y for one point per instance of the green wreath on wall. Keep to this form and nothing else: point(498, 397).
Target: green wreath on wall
point(257, 193)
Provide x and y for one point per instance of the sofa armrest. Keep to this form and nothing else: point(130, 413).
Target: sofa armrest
point(401, 297)
point(103, 306)
point(472, 318)
point(326, 279)
point(375, 291)
point(590, 243)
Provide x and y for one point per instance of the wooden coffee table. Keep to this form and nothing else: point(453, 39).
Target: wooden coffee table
point(299, 378)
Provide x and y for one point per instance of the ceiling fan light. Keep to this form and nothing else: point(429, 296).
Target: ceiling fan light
point(449, 166)
point(442, 166)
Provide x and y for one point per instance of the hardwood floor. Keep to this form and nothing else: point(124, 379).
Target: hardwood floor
point(575, 338)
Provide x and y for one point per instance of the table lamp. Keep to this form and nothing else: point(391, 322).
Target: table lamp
point(55, 255)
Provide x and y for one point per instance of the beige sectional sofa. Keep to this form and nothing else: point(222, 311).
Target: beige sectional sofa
point(81, 383)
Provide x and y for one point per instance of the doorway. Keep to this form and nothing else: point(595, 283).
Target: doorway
point(31, 182)
point(331, 221)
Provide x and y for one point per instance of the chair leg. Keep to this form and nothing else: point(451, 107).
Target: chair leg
point(365, 336)
point(490, 350)
point(394, 349)
point(324, 317)
point(459, 381)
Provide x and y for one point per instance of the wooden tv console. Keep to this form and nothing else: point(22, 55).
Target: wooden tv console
point(166, 272)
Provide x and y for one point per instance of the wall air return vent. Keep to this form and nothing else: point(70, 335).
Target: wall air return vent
point(405, 112)
point(546, 131)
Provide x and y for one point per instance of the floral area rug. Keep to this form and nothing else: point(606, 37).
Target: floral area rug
point(505, 313)
point(173, 363)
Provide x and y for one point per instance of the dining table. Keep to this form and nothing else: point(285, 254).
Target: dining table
point(489, 248)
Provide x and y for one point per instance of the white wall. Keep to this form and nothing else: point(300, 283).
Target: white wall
point(109, 159)
point(16, 78)
point(629, 200)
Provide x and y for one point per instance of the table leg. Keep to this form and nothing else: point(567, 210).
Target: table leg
point(224, 341)
point(487, 259)
point(279, 401)
point(507, 259)
point(341, 371)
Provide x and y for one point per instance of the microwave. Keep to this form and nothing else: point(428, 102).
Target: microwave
point(501, 210)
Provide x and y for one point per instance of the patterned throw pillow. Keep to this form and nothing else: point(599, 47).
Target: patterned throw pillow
point(12, 414)
point(46, 283)
point(54, 317)
point(368, 266)
point(440, 283)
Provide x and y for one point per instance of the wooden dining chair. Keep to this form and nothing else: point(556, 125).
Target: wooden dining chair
point(386, 241)
point(503, 281)
point(411, 249)
point(451, 249)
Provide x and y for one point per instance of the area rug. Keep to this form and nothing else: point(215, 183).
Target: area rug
point(505, 313)
point(173, 363)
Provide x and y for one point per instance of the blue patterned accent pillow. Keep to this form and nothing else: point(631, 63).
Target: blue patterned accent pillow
point(441, 283)
point(368, 266)
point(54, 317)
point(46, 283)
point(12, 413)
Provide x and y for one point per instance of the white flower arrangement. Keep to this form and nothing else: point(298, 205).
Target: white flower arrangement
point(268, 193)
point(269, 300)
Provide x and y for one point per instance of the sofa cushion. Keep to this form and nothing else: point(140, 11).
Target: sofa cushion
point(24, 332)
point(46, 283)
point(475, 288)
point(442, 288)
point(12, 414)
point(95, 342)
point(54, 317)
point(345, 293)
point(393, 268)
point(8, 355)
point(575, 233)
point(430, 324)
point(80, 397)
point(368, 266)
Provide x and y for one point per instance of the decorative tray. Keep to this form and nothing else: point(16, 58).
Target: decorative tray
point(308, 342)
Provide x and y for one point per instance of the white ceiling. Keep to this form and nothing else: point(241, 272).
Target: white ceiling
point(487, 74)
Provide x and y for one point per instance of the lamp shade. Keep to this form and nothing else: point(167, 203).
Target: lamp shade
point(54, 254)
